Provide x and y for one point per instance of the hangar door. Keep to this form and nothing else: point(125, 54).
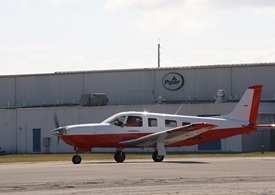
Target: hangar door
point(36, 140)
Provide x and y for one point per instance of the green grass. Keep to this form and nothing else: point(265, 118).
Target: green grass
point(9, 158)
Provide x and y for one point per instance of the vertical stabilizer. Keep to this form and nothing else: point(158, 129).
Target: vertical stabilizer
point(248, 106)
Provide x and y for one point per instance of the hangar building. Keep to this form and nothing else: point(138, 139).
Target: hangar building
point(28, 102)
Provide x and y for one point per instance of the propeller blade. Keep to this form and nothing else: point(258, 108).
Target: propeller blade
point(58, 132)
point(56, 122)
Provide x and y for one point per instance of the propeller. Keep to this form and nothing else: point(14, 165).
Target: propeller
point(56, 122)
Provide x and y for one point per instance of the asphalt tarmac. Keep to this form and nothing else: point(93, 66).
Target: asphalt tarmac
point(172, 176)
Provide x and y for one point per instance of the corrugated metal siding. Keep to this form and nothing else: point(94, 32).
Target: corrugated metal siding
point(133, 87)
point(242, 77)
point(66, 88)
point(7, 92)
point(127, 87)
point(199, 84)
point(16, 125)
point(48, 89)
point(8, 130)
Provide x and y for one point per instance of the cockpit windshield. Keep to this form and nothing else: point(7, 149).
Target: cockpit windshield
point(123, 119)
point(117, 120)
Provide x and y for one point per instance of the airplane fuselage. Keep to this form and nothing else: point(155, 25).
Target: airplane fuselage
point(143, 129)
point(109, 134)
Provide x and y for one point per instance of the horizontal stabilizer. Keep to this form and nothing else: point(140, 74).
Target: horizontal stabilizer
point(268, 126)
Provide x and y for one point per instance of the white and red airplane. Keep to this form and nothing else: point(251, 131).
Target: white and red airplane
point(143, 129)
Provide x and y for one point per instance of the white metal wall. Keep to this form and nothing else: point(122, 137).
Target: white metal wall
point(254, 75)
point(7, 92)
point(122, 87)
point(16, 125)
point(135, 87)
point(39, 90)
point(8, 136)
point(199, 84)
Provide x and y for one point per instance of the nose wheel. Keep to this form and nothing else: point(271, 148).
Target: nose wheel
point(76, 159)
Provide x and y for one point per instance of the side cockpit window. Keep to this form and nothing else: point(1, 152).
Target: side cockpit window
point(134, 121)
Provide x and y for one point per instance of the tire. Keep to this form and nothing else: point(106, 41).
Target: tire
point(119, 156)
point(156, 157)
point(76, 159)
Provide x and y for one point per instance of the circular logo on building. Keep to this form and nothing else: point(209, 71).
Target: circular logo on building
point(172, 81)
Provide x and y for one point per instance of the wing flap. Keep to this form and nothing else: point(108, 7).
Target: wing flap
point(170, 136)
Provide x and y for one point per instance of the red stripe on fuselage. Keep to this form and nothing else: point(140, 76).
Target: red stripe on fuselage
point(112, 140)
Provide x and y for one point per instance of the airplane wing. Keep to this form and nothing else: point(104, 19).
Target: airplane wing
point(169, 136)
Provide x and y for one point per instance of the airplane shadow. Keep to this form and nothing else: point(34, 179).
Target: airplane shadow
point(186, 162)
point(145, 162)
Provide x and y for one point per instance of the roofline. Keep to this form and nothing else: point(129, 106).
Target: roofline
point(146, 69)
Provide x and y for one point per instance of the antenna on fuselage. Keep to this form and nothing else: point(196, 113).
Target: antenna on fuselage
point(179, 109)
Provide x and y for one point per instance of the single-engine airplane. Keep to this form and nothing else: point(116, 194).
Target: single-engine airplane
point(144, 129)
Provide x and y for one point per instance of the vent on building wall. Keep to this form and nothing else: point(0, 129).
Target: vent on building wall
point(94, 99)
point(220, 96)
point(160, 99)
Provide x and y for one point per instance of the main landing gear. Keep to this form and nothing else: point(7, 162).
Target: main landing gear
point(119, 157)
point(156, 157)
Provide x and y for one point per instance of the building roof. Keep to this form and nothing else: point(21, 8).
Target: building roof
point(146, 69)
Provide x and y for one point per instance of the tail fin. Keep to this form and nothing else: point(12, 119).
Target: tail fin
point(248, 106)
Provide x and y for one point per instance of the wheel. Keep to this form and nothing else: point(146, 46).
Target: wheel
point(119, 156)
point(76, 159)
point(156, 157)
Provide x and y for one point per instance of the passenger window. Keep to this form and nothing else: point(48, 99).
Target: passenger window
point(134, 121)
point(170, 123)
point(152, 122)
point(185, 123)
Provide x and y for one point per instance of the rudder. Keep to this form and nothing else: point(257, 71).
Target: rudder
point(248, 106)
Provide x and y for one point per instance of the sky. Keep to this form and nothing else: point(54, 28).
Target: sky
point(47, 36)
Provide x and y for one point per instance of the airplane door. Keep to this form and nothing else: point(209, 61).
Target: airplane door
point(36, 140)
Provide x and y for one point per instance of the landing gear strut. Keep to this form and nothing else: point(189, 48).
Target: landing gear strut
point(119, 156)
point(156, 157)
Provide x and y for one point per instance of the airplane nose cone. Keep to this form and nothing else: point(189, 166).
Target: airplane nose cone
point(59, 131)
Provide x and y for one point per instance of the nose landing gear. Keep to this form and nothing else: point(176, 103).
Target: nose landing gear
point(76, 158)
